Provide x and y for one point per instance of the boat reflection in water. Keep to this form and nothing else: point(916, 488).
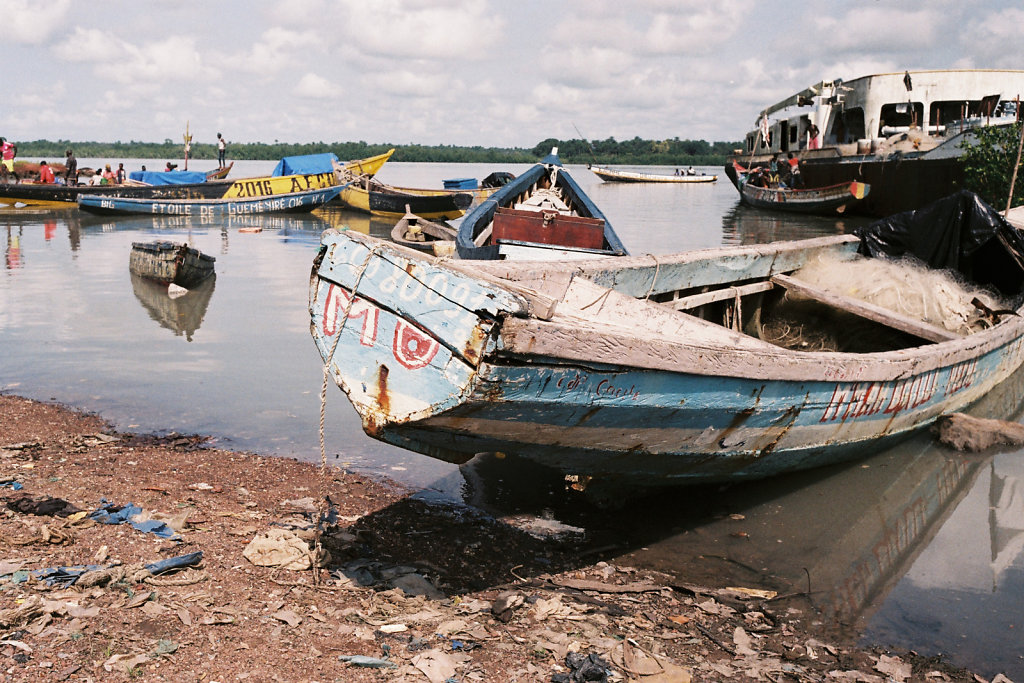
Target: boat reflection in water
point(747, 225)
point(834, 543)
point(181, 314)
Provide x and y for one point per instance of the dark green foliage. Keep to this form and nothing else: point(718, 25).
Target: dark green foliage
point(673, 152)
point(989, 159)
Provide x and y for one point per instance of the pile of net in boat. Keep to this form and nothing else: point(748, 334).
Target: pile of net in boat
point(905, 286)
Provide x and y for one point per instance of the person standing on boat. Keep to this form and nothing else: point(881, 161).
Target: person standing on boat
point(795, 179)
point(108, 176)
point(222, 148)
point(45, 173)
point(813, 142)
point(8, 150)
point(121, 174)
point(70, 168)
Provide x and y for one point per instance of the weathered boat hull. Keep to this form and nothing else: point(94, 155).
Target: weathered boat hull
point(295, 202)
point(167, 262)
point(242, 188)
point(391, 202)
point(504, 367)
point(616, 176)
point(819, 200)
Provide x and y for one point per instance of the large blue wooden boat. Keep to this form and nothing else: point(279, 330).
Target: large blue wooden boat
point(542, 214)
point(280, 203)
point(659, 369)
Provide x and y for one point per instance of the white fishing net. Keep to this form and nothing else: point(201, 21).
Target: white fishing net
point(907, 287)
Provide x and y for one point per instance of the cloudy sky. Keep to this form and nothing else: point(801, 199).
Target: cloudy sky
point(460, 72)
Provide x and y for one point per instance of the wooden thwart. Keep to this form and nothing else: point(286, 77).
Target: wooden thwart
point(695, 300)
point(918, 328)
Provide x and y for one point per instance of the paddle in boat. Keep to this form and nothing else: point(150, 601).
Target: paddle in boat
point(541, 214)
point(615, 175)
point(715, 365)
point(292, 202)
point(758, 191)
point(170, 263)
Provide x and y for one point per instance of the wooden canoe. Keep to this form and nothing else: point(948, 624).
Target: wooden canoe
point(656, 369)
point(281, 203)
point(430, 236)
point(616, 175)
point(541, 214)
point(258, 186)
point(813, 200)
point(167, 263)
point(219, 173)
point(367, 195)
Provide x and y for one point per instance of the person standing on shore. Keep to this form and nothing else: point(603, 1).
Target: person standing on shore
point(221, 151)
point(70, 168)
point(8, 150)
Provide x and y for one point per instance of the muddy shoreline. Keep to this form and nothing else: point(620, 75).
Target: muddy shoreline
point(413, 591)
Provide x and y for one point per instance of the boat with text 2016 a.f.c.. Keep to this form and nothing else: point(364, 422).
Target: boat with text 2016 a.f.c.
point(901, 133)
point(716, 365)
point(292, 174)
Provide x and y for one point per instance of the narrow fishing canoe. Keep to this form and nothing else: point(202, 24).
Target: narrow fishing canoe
point(659, 369)
point(310, 178)
point(367, 195)
point(541, 214)
point(430, 236)
point(168, 262)
point(814, 200)
point(615, 175)
point(291, 202)
point(219, 173)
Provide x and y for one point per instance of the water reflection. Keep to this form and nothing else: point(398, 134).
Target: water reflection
point(850, 545)
point(181, 314)
point(12, 250)
point(746, 225)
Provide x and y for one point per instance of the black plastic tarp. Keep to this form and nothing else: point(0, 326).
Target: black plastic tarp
point(959, 232)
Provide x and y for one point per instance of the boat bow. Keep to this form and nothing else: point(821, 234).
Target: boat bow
point(402, 337)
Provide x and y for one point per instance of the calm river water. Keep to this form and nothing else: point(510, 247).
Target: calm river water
point(915, 547)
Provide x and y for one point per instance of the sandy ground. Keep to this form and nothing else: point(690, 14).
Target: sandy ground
point(421, 592)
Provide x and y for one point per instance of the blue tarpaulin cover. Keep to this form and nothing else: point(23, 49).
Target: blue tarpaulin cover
point(306, 163)
point(168, 177)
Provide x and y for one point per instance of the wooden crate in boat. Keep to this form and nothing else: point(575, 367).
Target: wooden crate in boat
point(547, 227)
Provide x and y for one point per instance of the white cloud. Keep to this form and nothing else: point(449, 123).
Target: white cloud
point(421, 30)
point(315, 87)
point(31, 23)
point(175, 58)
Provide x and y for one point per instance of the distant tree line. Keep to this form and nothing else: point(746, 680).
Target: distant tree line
point(673, 152)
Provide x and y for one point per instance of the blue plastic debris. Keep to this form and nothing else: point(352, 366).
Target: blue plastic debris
point(16, 485)
point(172, 563)
point(56, 576)
point(114, 514)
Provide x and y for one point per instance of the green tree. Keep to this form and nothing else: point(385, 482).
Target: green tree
point(990, 155)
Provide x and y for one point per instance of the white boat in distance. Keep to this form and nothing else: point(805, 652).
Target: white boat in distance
point(615, 175)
